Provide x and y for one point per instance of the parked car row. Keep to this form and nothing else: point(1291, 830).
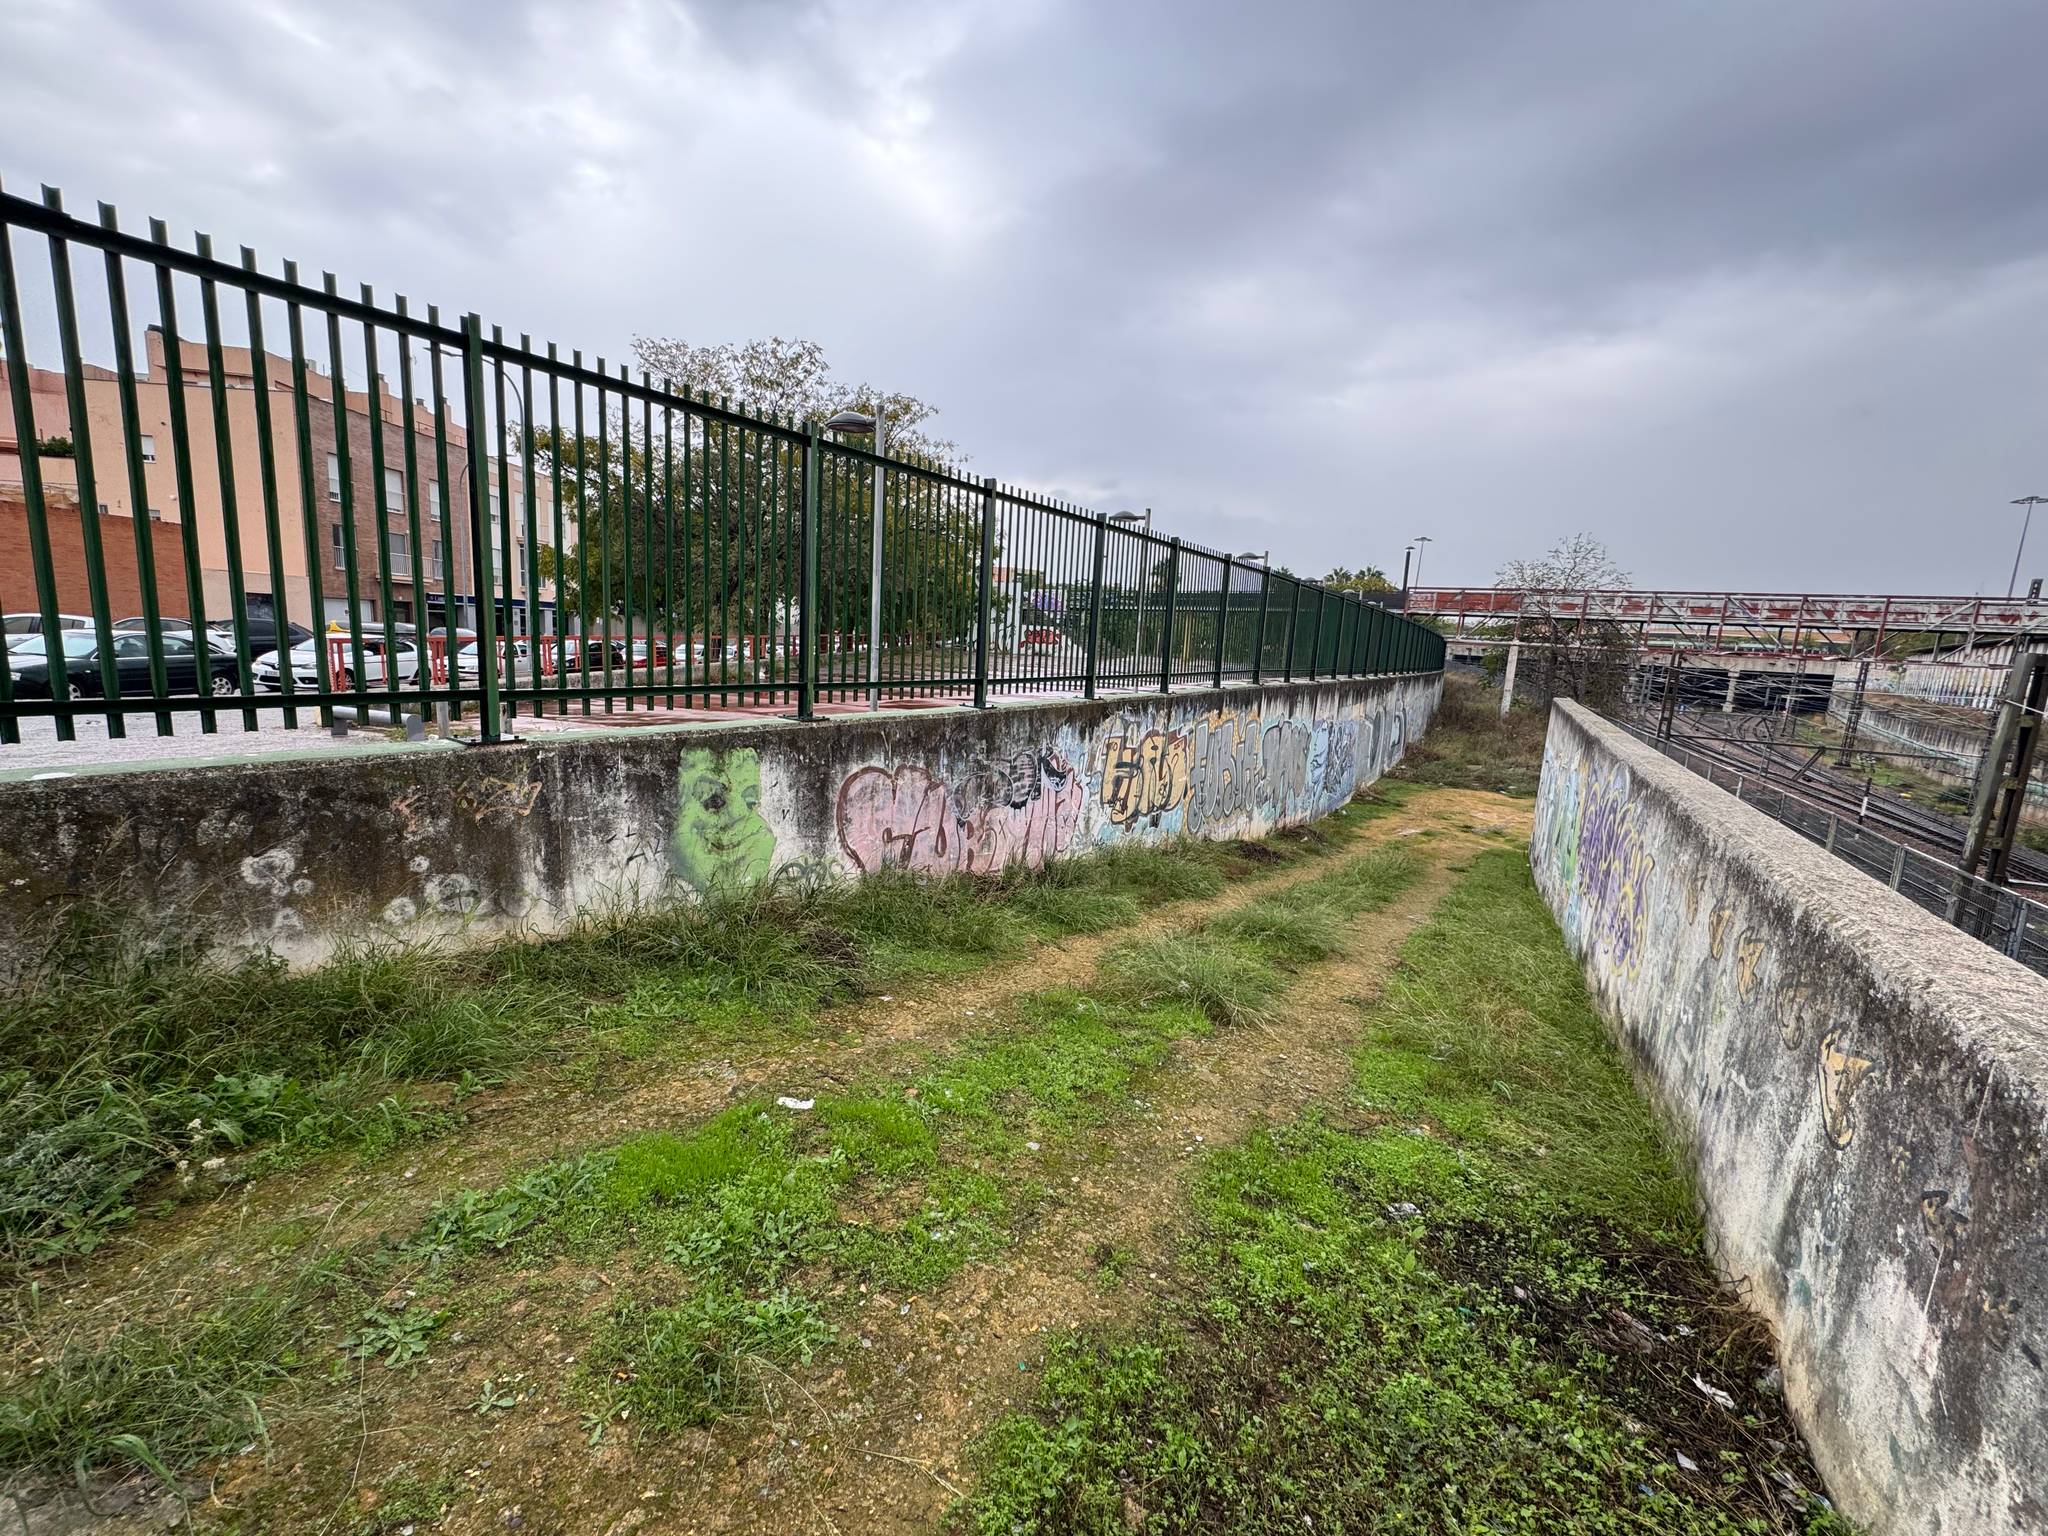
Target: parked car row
point(383, 662)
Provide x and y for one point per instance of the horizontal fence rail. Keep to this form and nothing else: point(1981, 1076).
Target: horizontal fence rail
point(2001, 917)
point(275, 499)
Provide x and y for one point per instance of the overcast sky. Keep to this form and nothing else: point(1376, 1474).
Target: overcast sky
point(1756, 292)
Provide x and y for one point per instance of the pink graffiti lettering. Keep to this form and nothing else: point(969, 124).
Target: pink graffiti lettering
point(908, 819)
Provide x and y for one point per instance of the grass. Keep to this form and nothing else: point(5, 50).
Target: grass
point(1479, 1313)
point(1232, 968)
point(139, 1072)
point(169, 1394)
point(1468, 745)
point(746, 1222)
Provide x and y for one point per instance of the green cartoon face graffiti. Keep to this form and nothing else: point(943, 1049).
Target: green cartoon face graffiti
point(721, 840)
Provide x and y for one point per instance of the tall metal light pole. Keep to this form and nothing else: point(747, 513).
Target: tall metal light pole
point(857, 421)
point(1420, 540)
point(1407, 558)
point(2029, 502)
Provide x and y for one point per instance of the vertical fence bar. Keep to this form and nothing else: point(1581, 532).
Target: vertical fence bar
point(535, 640)
point(224, 462)
point(1293, 627)
point(807, 583)
point(1265, 605)
point(668, 532)
point(138, 484)
point(302, 442)
point(82, 461)
point(266, 474)
point(338, 392)
point(582, 538)
point(1166, 624)
point(25, 432)
point(492, 723)
point(985, 592)
point(626, 524)
point(1090, 664)
point(416, 548)
point(181, 458)
point(560, 554)
point(1223, 621)
point(380, 501)
point(444, 494)
point(508, 626)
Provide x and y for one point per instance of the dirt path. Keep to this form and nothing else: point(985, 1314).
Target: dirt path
point(876, 1440)
point(526, 1123)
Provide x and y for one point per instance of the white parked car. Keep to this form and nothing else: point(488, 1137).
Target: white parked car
point(305, 664)
point(19, 626)
point(469, 666)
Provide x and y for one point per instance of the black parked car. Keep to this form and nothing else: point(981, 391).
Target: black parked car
point(220, 635)
point(81, 653)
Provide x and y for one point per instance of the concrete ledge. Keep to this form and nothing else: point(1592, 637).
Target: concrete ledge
point(1863, 1090)
point(301, 855)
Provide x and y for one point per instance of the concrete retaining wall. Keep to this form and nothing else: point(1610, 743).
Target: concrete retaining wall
point(1863, 1090)
point(299, 856)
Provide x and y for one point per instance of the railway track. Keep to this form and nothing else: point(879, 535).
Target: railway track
point(1745, 744)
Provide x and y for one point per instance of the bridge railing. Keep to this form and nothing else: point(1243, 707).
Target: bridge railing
point(492, 525)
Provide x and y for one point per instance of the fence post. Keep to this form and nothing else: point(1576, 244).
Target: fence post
point(1293, 626)
point(1259, 645)
point(1834, 824)
point(807, 586)
point(988, 557)
point(1095, 606)
point(492, 723)
point(1222, 618)
point(1166, 630)
point(1315, 638)
point(1898, 866)
point(26, 432)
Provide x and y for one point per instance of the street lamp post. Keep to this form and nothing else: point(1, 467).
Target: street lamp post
point(857, 421)
point(1407, 557)
point(2029, 502)
point(1420, 540)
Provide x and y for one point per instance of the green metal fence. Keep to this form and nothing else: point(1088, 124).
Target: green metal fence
point(600, 540)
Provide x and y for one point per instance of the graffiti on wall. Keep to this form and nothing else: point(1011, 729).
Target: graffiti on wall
point(1589, 825)
point(1241, 768)
point(721, 840)
point(1227, 766)
point(1020, 809)
point(1144, 778)
point(1839, 1073)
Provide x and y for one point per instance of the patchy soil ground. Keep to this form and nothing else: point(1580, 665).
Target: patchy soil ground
point(857, 1280)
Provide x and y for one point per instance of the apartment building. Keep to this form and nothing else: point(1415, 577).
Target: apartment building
point(378, 513)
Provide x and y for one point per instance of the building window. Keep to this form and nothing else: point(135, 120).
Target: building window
point(434, 564)
point(148, 449)
point(434, 497)
point(333, 477)
point(400, 551)
point(394, 491)
point(334, 538)
point(156, 514)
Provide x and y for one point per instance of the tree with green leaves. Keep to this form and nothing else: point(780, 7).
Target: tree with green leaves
point(1366, 582)
point(715, 505)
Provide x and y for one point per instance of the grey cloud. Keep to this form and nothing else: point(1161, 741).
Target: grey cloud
point(1752, 291)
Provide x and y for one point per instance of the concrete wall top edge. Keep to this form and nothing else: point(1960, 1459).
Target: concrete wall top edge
point(1992, 1001)
point(743, 731)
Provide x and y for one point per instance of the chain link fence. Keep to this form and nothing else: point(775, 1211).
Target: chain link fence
point(2000, 917)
